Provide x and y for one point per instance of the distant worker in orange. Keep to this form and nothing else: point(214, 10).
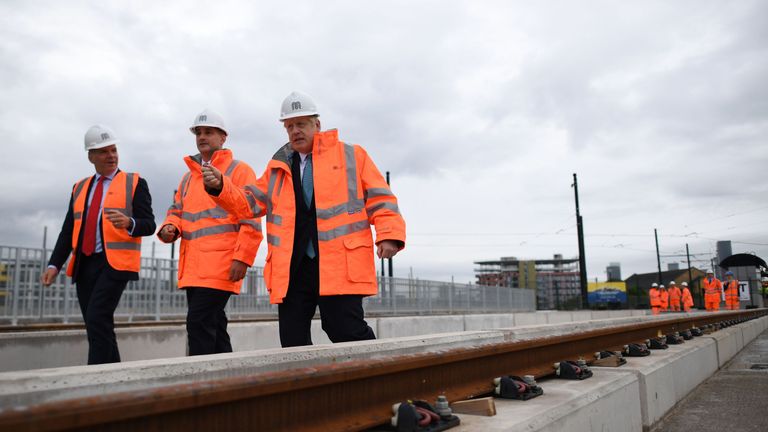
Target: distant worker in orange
point(674, 297)
point(216, 247)
point(664, 294)
point(687, 298)
point(655, 297)
point(731, 289)
point(712, 288)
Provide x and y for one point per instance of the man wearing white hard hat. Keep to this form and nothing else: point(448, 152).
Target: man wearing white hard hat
point(687, 298)
point(216, 247)
point(108, 214)
point(713, 290)
point(320, 197)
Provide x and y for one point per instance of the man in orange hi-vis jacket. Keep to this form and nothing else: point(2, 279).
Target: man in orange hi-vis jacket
point(664, 294)
point(320, 197)
point(712, 288)
point(216, 247)
point(674, 297)
point(731, 288)
point(654, 295)
point(687, 298)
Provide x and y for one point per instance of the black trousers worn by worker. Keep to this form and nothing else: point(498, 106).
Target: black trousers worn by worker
point(207, 321)
point(342, 316)
point(98, 294)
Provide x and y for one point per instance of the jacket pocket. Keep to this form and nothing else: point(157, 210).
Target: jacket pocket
point(360, 266)
point(214, 264)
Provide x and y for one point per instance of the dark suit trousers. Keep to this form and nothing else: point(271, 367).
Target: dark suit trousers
point(342, 316)
point(98, 295)
point(207, 321)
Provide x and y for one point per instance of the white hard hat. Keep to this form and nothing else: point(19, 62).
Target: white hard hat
point(210, 119)
point(765, 279)
point(671, 282)
point(685, 283)
point(297, 104)
point(661, 286)
point(99, 136)
point(654, 284)
point(708, 271)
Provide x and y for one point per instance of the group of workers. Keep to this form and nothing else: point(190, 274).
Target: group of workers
point(320, 197)
point(671, 299)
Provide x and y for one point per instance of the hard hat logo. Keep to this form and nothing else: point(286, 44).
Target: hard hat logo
point(104, 136)
point(202, 118)
point(295, 106)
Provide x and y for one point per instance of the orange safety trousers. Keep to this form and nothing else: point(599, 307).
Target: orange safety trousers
point(712, 302)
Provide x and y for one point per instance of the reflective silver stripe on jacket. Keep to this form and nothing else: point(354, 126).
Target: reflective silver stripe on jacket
point(214, 213)
point(203, 232)
point(277, 220)
point(273, 240)
point(129, 194)
point(76, 194)
point(377, 192)
point(231, 167)
point(124, 246)
point(252, 224)
point(184, 186)
point(78, 189)
point(382, 205)
point(353, 204)
point(343, 230)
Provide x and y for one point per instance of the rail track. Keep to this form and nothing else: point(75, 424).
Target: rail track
point(351, 395)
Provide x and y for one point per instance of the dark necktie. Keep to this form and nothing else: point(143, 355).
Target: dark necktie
point(307, 186)
point(89, 237)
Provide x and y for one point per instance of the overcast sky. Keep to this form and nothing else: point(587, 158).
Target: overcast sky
point(481, 111)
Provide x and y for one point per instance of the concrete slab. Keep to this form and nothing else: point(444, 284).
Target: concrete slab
point(419, 325)
point(559, 317)
point(609, 401)
point(26, 387)
point(582, 315)
point(729, 342)
point(489, 321)
point(530, 318)
point(666, 376)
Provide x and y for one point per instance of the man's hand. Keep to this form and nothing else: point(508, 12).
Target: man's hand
point(49, 276)
point(118, 219)
point(387, 249)
point(212, 178)
point(168, 233)
point(237, 270)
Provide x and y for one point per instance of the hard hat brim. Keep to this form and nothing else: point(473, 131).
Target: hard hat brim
point(102, 145)
point(192, 128)
point(299, 114)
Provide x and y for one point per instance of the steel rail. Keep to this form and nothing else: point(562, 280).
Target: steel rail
point(343, 396)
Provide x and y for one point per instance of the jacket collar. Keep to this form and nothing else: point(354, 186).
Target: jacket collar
point(323, 141)
point(220, 159)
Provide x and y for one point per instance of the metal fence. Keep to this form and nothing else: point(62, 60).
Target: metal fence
point(155, 295)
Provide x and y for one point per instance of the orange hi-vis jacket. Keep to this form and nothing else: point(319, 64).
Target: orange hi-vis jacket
point(674, 296)
point(664, 299)
point(687, 298)
point(655, 297)
point(731, 291)
point(712, 288)
point(123, 251)
point(210, 237)
point(350, 195)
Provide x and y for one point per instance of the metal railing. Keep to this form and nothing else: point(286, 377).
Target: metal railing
point(155, 295)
